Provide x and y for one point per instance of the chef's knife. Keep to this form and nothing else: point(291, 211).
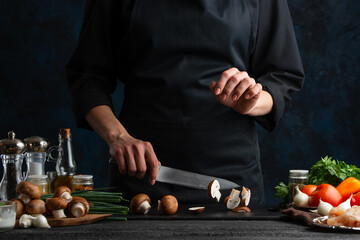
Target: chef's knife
point(188, 179)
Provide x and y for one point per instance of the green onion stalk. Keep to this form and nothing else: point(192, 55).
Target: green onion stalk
point(101, 202)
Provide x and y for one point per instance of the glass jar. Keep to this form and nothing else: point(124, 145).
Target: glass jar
point(82, 182)
point(51, 180)
point(297, 178)
point(41, 181)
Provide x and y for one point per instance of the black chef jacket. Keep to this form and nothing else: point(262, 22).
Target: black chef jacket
point(167, 53)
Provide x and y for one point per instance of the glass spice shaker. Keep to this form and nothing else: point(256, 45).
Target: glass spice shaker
point(297, 178)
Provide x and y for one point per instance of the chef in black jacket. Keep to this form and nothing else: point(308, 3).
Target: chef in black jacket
point(198, 74)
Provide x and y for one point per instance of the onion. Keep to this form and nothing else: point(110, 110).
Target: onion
point(324, 208)
point(301, 199)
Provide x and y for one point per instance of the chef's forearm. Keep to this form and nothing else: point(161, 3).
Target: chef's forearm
point(103, 121)
point(263, 106)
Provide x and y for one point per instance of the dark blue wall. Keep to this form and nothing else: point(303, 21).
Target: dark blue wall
point(37, 39)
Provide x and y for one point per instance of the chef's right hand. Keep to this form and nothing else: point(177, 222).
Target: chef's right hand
point(135, 157)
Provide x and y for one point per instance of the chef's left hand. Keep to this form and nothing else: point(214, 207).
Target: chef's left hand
point(235, 89)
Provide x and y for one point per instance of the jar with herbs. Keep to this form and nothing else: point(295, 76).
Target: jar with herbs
point(82, 182)
point(297, 178)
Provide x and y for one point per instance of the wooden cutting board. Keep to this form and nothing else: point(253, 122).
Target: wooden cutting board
point(63, 222)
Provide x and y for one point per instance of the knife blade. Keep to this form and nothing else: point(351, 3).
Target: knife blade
point(188, 179)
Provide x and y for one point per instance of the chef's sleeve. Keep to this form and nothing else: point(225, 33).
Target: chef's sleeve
point(275, 60)
point(90, 72)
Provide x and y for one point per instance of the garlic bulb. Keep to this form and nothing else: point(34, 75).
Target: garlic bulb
point(301, 199)
point(40, 222)
point(346, 205)
point(324, 208)
point(25, 221)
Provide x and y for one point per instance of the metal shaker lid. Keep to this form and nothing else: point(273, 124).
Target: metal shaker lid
point(36, 144)
point(11, 145)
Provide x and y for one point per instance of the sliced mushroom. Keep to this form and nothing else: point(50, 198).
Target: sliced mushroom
point(35, 207)
point(168, 205)
point(140, 204)
point(78, 207)
point(245, 196)
point(56, 205)
point(233, 200)
point(214, 190)
point(241, 209)
point(28, 191)
point(197, 210)
point(64, 192)
point(20, 208)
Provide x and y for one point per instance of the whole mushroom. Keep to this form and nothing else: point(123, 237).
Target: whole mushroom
point(57, 205)
point(28, 191)
point(64, 192)
point(78, 207)
point(140, 204)
point(35, 207)
point(20, 208)
point(168, 205)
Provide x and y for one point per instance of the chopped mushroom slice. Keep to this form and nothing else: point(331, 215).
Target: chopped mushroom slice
point(27, 191)
point(57, 205)
point(78, 207)
point(245, 196)
point(63, 192)
point(140, 204)
point(241, 209)
point(197, 209)
point(213, 190)
point(233, 200)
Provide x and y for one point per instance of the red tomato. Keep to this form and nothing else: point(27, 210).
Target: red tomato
point(308, 189)
point(355, 200)
point(326, 193)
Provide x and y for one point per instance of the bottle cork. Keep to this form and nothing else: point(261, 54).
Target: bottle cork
point(65, 132)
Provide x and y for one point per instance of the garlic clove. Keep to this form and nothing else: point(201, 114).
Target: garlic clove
point(324, 208)
point(25, 221)
point(301, 199)
point(40, 221)
point(346, 205)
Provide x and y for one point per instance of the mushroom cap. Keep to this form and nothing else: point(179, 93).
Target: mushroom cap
point(60, 190)
point(56, 203)
point(76, 200)
point(168, 205)
point(137, 200)
point(35, 206)
point(28, 188)
point(20, 208)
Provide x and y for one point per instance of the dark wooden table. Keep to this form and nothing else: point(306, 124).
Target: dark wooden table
point(213, 223)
